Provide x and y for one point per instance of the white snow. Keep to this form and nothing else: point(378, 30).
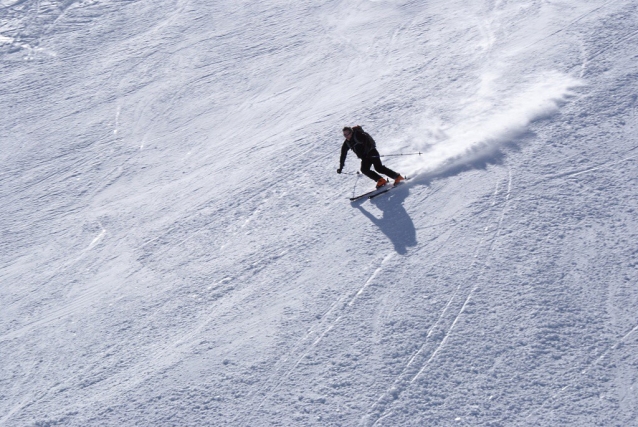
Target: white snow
point(177, 248)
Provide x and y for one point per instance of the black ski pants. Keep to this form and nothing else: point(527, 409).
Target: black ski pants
point(373, 159)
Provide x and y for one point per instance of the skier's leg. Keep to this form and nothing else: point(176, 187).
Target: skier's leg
point(365, 169)
point(376, 161)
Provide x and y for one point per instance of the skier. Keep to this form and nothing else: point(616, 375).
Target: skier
point(365, 148)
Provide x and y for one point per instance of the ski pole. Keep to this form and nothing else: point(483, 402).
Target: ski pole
point(354, 189)
point(402, 154)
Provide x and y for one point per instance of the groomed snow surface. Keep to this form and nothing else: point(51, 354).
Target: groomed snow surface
point(177, 250)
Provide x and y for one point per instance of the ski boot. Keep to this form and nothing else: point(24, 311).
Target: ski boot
point(381, 182)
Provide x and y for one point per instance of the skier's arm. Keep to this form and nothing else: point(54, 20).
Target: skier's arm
point(344, 153)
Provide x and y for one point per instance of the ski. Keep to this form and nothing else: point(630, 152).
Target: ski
point(376, 192)
point(369, 193)
point(385, 190)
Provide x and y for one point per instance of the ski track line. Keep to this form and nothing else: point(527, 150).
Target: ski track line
point(571, 23)
point(595, 168)
point(456, 222)
point(27, 401)
point(300, 342)
point(40, 394)
point(51, 316)
point(587, 59)
point(560, 393)
point(612, 45)
point(382, 417)
point(458, 316)
point(331, 325)
point(484, 265)
point(377, 271)
point(104, 137)
point(400, 377)
point(446, 337)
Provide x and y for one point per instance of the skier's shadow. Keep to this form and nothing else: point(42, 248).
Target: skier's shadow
point(395, 221)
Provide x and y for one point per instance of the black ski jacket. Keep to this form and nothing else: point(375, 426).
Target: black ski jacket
point(361, 143)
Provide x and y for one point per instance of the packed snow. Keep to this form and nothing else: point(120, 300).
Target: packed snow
point(178, 249)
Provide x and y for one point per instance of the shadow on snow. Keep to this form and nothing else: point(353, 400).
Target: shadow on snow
point(394, 221)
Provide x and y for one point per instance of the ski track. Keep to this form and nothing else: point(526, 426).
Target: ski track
point(578, 19)
point(401, 382)
point(325, 325)
point(603, 166)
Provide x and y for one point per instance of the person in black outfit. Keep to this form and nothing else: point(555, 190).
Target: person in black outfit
point(365, 148)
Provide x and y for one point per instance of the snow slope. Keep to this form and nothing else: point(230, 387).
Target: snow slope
point(177, 248)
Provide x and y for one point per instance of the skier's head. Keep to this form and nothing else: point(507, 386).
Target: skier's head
point(347, 132)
